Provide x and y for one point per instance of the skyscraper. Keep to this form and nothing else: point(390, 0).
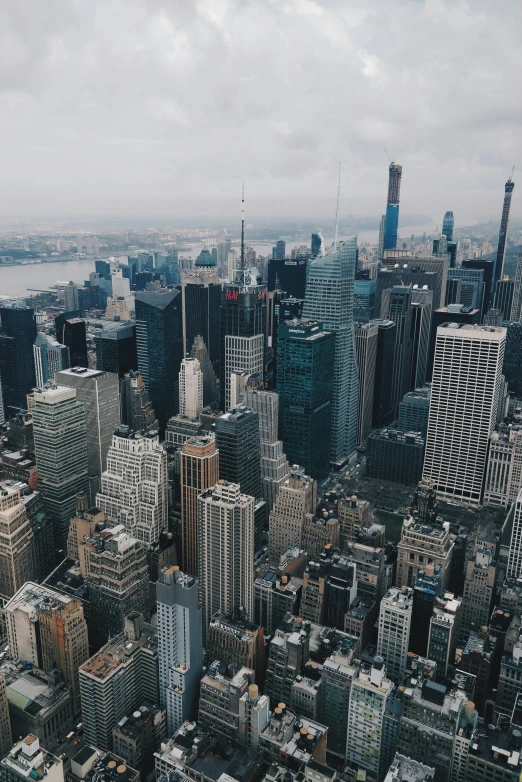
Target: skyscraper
point(17, 336)
point(49, 357)
point(467, 374)
point(288, 275)
point(382, 231)
point(190, 388)
point(488, 268)
point(329, 299)
point(394, 630)
point(421, 318)
point(448, 224)
point(180, 654)
point(225, 551)
point(71, 332)
point(60, 445)
point(17, 556)
point(516, 306)
point(514, 569)
point(305, 364)
point(210, 383)
point(465, 286)
point(366, 338)
point(502, 236)
point(116, 347)
point(99, 394)
point(396, 306)
point(297, 497)
point(364, 300)
point(316, 244)
point(503, 298)
point(370, 692)
point(201, 293)
point(279, 251)
point(383, 406)
point(199, 470)
point(136, 410)
point(159, 338)
point(6, 738)
point(392, 208)
point(134, 486)
point(71, 297)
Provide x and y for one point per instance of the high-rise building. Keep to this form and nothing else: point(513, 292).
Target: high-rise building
point(453, 313)
point(426, 589)
point(210, 383)
point(297, 497)
point(288, 275)
point(479, 588)
point(404, 274)
point(414, 270)
point(366, 338)
point(329, 299)
point(17, 551)
point(516, 306)
point(383, 406)
point(316, 244)
point(49, 357)
point(238, 641)
point(237, 439)
point(134, 487)
point(512, 368)
point(392, 209)
point(159, 339)
point(199, 470)
point(503, 298)
point(467, 375)
point(382, 232)
point(136, 410)
point(180, 651)
point(504, 469)
point(448, 224)
point(100, 395)
point(116, 347)
point(305, 365)
point(6, 739)
point(414, 411)
point(71, 297)
point(60, 440)
point(47, 629)
point(444, 632)
point(190, 388)
point(465, 286)
point(225, 551)
point(488, 269)
point(71, 331)
point(118, 679)
point(201, 294)
point(274, 464)
point(279, 251)
point(17, 336)
point(371, 690)
point(421, 324)
point(502, 236)
point(364, 300)
point(395, 456)
point(394, 630)
point(396, 306)
point(514, 569)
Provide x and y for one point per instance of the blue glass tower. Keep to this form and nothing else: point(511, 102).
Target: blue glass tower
point(392, 209)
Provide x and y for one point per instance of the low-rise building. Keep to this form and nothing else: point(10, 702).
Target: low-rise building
point(27, 760)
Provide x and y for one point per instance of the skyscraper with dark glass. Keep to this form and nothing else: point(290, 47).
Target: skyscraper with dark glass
point(116, 347)
point(502, 236)
point(288, 275)
point(305, 369)
point(392, 209)
point(329, 299)
point(448, 224)
point(396, 306)
point(383, 408)
point(317, 241)
point(201, 292)
point(159, 339)
point(71, 332)
point(279, 251)
point(17, 335)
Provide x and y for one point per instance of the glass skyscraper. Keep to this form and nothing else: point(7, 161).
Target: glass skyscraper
point(330, 299)
point(447, 225)
point(17, 335)
point(391, 229)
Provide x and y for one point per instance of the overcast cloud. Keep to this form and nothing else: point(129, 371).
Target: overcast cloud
point(151, 107)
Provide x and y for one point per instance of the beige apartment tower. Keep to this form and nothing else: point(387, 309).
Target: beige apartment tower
point(199, 470)
point(297, 497)
point(17, 563)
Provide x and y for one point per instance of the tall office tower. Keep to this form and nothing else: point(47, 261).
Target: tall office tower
point(201, 294)
point(383, 406)
point(453, 313)
point(336, 681)
point(392, 209)
point(17, 560)
point(60, 439)
point(279, 251)
point(71, 297)
point(71, 332)
point(426, 589)
point(502, 236)
point(99, 392)
point(237, 439)
point(329, 299)
point(180, 648)
point(414, 272)
point(405, 274)
point(370, 693)
point(47, 629)
point(414, 411)
point(159, 339)
point(504, 469)
point(516, 306)
point(395, 456)
point(316, 244)
point(225, 551)
point(366, 338)
point(305, 367)
point(448, 224)
point(136, 409)
point(118, 679)
point(199, 470)
point(274, 464)
point(382, 231)
point(116, 347)
point(117, 574)
point(467, 376)
point(479, 587)
point(512, 369)
point(503, 298)
point(394, 630)
point(488, 269)
point(190, 388)
point(242, 324)
point(231, 264)
point(2, 410)
point(49, 357)
point(465, 286)
point(444, 633)
point(223, 249)
point(297, 497)
point(288, 275)
point(396, 306)
point(421, 318)
point(364, 300)
point(210, 383)
point(17, 336)
point(514, 569)
point(134, 488)
point(6, 739)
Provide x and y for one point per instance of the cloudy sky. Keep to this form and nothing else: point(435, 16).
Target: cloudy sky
point(158, 107)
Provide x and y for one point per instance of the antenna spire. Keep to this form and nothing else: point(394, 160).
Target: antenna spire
point(512, 172)
point(336, 231)
point(243, 228)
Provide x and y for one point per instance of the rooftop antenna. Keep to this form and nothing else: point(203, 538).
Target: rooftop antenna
point(388, 154)
point(512, 172)
point(336, 231)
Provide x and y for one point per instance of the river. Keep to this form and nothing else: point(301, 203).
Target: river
point(21, 280)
